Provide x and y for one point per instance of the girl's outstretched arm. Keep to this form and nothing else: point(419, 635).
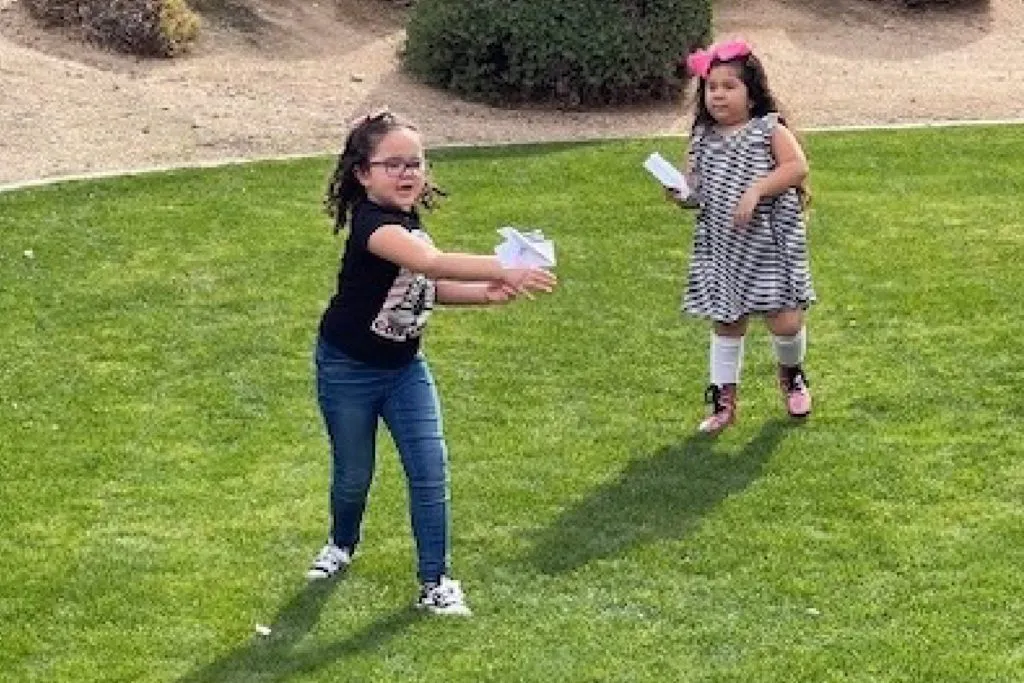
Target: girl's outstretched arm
point(394, 243)
point(790, 170)
point(474, 293)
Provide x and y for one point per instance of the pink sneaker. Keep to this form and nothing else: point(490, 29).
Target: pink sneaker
point(795, 390)
point(722, 400)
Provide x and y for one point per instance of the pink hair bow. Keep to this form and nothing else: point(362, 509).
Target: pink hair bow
point(699, 62)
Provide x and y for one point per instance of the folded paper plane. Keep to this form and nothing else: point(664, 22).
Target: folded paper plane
point(667, 174)
point(523, 250)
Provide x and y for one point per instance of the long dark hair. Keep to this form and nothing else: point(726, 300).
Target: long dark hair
point(752, 73)
point(344, 190)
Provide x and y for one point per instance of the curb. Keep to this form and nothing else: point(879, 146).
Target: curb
point(233, 161)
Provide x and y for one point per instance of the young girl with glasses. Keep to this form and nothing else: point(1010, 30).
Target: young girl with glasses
point(369, 366)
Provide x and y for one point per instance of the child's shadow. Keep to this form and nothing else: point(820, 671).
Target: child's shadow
point(275, 657)
point(662, 496)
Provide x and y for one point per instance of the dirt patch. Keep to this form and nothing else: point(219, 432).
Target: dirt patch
point(865, 30)
point(273, 77)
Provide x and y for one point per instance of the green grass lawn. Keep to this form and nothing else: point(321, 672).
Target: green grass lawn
point(165, 471)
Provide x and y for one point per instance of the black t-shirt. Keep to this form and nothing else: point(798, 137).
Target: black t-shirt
point(379, 310)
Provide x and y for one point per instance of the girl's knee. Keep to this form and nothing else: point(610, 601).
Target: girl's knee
point(786, 322)
point(352, 481)
point(351, 488)
point(427, 469)
point(430, 489)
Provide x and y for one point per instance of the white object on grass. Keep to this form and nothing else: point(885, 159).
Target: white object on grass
point(525, 250)
point(667, 174)
point(262, 630)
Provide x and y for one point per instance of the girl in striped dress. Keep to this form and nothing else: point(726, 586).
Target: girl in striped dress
point(749, 256)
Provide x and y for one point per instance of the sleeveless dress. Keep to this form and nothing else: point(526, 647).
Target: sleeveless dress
point(757, 268)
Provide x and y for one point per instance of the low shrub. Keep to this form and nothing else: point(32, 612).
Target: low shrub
point(151, 28)
point(566, 52)
point(56, 12)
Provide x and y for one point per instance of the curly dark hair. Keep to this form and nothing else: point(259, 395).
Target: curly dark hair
point(344, 190)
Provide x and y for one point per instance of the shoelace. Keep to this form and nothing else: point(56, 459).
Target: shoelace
point(795, 379)
point(446, 594)
point(716, 397)
point(331, 556)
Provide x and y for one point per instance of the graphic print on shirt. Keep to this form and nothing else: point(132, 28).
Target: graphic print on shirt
point(408, 304)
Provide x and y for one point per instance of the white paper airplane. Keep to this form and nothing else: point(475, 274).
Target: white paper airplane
point(667, 174)
point(525, 250)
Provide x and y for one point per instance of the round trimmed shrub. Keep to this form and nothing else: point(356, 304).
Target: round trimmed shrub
point(565, 52)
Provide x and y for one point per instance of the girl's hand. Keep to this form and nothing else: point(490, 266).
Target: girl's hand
point(497, 292)
point(690, 200)
point(672, 195)
point(525, 281)
point(746, 206)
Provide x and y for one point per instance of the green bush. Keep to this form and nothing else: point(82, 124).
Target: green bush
point(152, 28)
point(565, 52)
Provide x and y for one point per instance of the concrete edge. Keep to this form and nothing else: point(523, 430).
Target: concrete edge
point(233, 161)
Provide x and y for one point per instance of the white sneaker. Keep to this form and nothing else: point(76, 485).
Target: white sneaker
point(329, 562)
point(444, 597)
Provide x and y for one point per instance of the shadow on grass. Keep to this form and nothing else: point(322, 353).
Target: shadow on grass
point(276, 657)
point(663, 496)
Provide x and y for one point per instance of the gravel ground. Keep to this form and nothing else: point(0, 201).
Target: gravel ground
point(285, 79)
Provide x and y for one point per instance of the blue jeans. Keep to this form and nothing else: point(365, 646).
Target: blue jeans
point(353, 396)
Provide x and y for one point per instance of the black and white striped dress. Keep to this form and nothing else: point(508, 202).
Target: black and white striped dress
point(760, 267)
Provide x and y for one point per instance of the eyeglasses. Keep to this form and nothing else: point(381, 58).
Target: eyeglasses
point(395, 167)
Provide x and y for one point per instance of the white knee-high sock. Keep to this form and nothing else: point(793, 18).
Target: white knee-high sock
point(791, 350)
point(726, 359)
